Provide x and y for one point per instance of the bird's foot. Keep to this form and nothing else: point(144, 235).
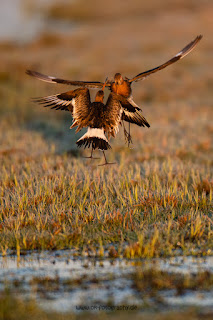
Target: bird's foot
point(90, 157)
point(106, 163)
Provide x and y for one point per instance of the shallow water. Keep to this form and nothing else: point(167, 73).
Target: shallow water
point(20, 24)
point(61, 282)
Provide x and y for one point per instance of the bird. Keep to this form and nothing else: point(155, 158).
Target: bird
point(131, 114)
point(122, 86)
point(102, 120)
point(63, 101)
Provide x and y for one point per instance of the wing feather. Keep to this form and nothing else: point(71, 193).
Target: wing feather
point(61, 101)
point(81, 109)
point(74, 101)
point(135, 117)
point(113, 114)
point(87, 84)
point(131, 112)
point(186, 50)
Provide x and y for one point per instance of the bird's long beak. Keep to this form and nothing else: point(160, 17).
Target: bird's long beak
point(104, 84)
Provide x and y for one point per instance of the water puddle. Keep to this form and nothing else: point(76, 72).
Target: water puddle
point(61, 282)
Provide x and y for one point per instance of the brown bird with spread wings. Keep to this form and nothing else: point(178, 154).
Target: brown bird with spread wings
point(122, 86)
point(101, 119)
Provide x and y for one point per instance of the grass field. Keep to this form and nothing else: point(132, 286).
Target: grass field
point(157, 199)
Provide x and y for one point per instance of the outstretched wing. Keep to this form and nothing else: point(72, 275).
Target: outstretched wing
point(81, 109)
point(177, 57)
point(131, 112)
point(76, 101)
point(135, 117)
point(61, 101)
point(112, 114)
point(87, 84)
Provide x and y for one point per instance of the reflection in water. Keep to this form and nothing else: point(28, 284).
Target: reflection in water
point(58, 281)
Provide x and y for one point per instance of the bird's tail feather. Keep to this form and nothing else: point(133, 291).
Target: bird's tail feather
point(95, 138)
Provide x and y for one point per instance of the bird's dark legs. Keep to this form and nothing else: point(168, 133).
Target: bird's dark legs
point(127, 134)
point(106, 162)
point(105, 157)
point(91, 157)
point(129, 137)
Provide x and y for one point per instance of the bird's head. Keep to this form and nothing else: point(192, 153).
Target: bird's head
point(100, 94)
point(118, 78)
